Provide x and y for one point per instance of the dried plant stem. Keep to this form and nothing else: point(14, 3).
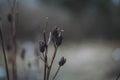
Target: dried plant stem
point(14, 49)
point(56, 72)
point(44, 61)
point(53, 57)
point(45, 68)
point(45, 57)
point(5, 57)
point(13, 30)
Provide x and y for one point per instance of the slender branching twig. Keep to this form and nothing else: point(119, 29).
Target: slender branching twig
point(45, 57)
point(56, 36)
point(53, 57)
point(13, 33)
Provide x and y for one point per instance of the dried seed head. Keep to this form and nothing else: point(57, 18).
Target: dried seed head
point(10, 17)
point(62, 61)
point(57, 36)
point(42, 46)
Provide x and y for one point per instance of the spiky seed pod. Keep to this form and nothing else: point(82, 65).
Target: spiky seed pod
point(62, 61)
point(23, 54)
point(42, 46)
point(10, 17)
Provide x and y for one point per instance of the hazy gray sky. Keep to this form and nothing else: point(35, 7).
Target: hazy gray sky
point(90, 20)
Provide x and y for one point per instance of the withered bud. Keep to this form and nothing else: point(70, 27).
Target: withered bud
point(57, 36)
point(10, 17)
point(59, 39)
point(42, 46)
point(62, 61)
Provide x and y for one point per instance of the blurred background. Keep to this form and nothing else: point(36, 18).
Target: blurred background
point(91, 36)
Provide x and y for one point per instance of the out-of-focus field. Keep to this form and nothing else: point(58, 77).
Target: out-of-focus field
point(85, 61)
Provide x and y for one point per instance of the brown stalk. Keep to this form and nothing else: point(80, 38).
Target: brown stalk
point(5, 57)
point(53, 57)
point(44, 61)
point(45, 56)
point(56, 72)
point(13, 32)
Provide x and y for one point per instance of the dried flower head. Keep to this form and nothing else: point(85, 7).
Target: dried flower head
point(9, 17)
point(42, 46)
point(62, 61)
point(57, 36)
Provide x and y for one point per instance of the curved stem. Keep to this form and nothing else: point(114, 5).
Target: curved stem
point(5, 58)
point(53, 57)
point(56, 72)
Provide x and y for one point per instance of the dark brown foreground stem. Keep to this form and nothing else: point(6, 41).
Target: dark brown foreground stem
point(5, 57)
point(13, 30)
point(45, 57)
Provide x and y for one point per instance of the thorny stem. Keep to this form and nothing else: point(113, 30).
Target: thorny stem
point(56, 72)
point(5, 57)
point(117, 78)
point(53, 57)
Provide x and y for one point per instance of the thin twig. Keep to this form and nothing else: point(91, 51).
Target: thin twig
point(56, 72)
point(45, 57)
point(53, 57)
point(13, 28)
point(5, 57)
point(43, 61)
